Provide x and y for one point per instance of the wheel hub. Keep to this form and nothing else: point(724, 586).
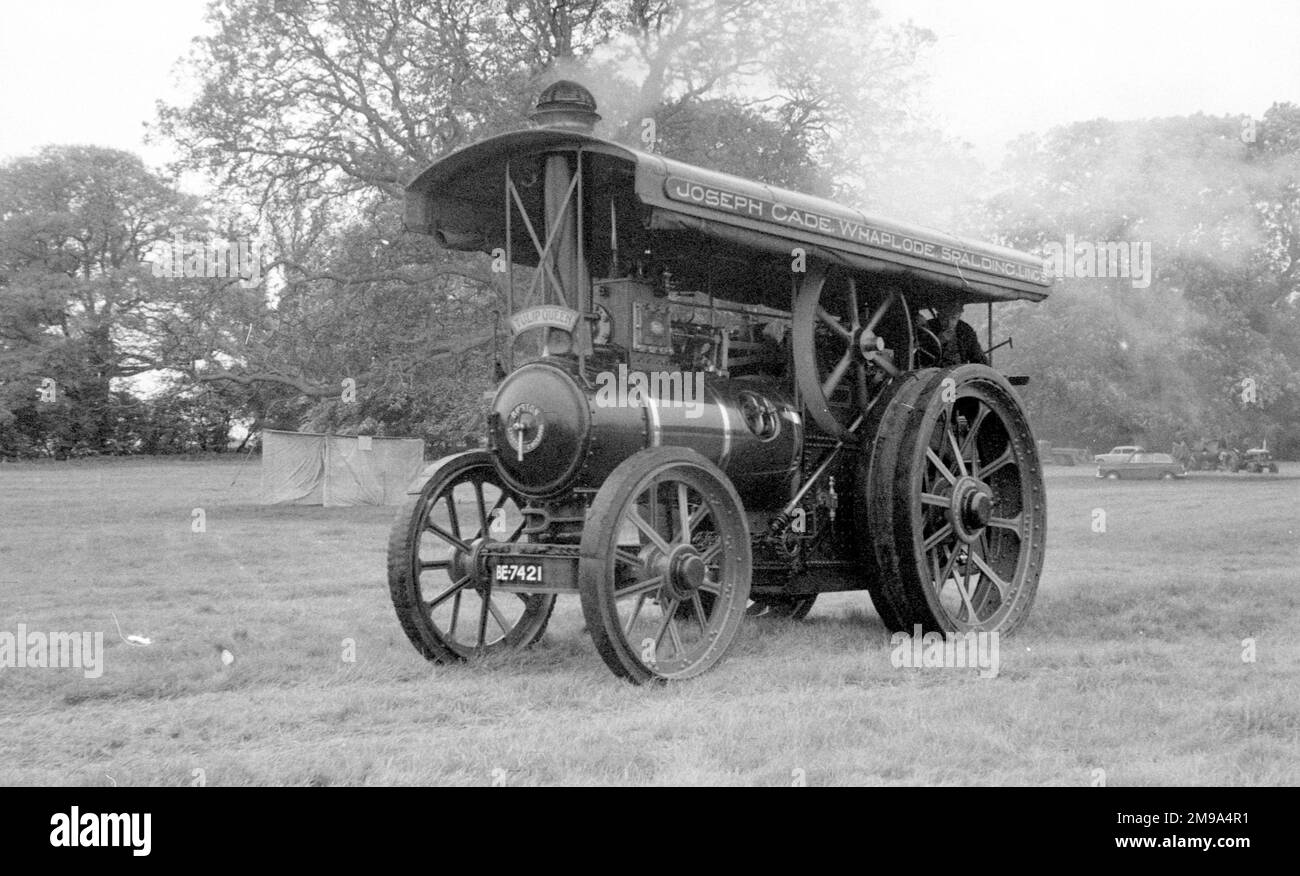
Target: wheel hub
point(684, 572)
point(970, 507)
point(462, 563)
point(869, 343)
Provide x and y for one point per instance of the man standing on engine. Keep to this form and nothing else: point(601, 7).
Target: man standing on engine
point(958, 343)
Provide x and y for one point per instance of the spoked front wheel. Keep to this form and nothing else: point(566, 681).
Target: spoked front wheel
point(665, 566)
point(446, 608)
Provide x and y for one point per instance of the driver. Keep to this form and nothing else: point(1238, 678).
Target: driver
point(958, 341)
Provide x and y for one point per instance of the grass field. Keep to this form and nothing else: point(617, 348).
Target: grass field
point(1131, 662)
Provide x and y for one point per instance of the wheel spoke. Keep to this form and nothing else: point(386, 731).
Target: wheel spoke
point(697, 516)
point(434, 564)
point(676, 637)
point(1004, 459)
point(683, 514)
point(455, 615)
point(453, 590)
point(938, 463)
point(482, 621)
point(935, 499)
point(700, 614)
point(447, 537)
point(964, 590)
point(640, 588)
point(880, 312)
point(647, 530)
point(826, 317)
point(498, 616)
point(973, 429)
point(708, 555)
point(833, 379)
point(711, 586)
point(452, 517)
point(1012, 523)
point(883, 363)
point(663, 624)
point(483, 522)
point(939, 535)
point(956, 449)
point(636, 612)
point(984, 567)
point(853, 303)
point(947, 570)
point(485, 526)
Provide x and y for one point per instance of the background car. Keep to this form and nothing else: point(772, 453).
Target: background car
point(1120, 453)
point(1142, 465)
point(1256, 460)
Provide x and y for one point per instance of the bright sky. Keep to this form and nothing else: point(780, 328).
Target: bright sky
point(1001, 68)
point(89, 71)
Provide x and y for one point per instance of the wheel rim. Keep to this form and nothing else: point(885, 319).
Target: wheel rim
point(454, 516)
point(841, 331)
point(666, 578)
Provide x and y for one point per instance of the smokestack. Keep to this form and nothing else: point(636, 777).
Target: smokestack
point(566, 106)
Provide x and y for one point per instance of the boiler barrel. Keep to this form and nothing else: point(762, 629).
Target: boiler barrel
point(574, 435)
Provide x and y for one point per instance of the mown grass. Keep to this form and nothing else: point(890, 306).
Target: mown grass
point(1131, 661)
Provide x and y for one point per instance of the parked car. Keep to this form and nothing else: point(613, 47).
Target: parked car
point(1256, 460)
point(1142, 465)
point(1124, 451)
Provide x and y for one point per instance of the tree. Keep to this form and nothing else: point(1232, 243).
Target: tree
point(76, 299)
point(1115, 362)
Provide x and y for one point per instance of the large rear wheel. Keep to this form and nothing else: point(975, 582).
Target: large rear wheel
point(960, 515)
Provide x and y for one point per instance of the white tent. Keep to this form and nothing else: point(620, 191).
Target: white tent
point(305, 468)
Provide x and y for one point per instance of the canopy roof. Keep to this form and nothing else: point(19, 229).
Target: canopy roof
point(461, 200)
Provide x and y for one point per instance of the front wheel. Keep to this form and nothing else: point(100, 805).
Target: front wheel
point(665, 565)
point(446, 608)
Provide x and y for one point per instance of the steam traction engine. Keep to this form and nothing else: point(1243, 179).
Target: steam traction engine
point(734, 406)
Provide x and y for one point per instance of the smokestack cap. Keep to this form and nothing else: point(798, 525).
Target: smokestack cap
point(567, 106)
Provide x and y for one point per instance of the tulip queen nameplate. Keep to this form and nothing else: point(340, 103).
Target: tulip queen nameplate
point(544, 316)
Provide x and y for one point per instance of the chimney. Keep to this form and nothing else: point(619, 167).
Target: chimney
point(566, 106)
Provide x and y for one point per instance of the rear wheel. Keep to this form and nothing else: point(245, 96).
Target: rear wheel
point(877, 460)
point(960, 533)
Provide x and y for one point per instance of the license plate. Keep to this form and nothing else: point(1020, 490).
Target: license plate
point(518, 573)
